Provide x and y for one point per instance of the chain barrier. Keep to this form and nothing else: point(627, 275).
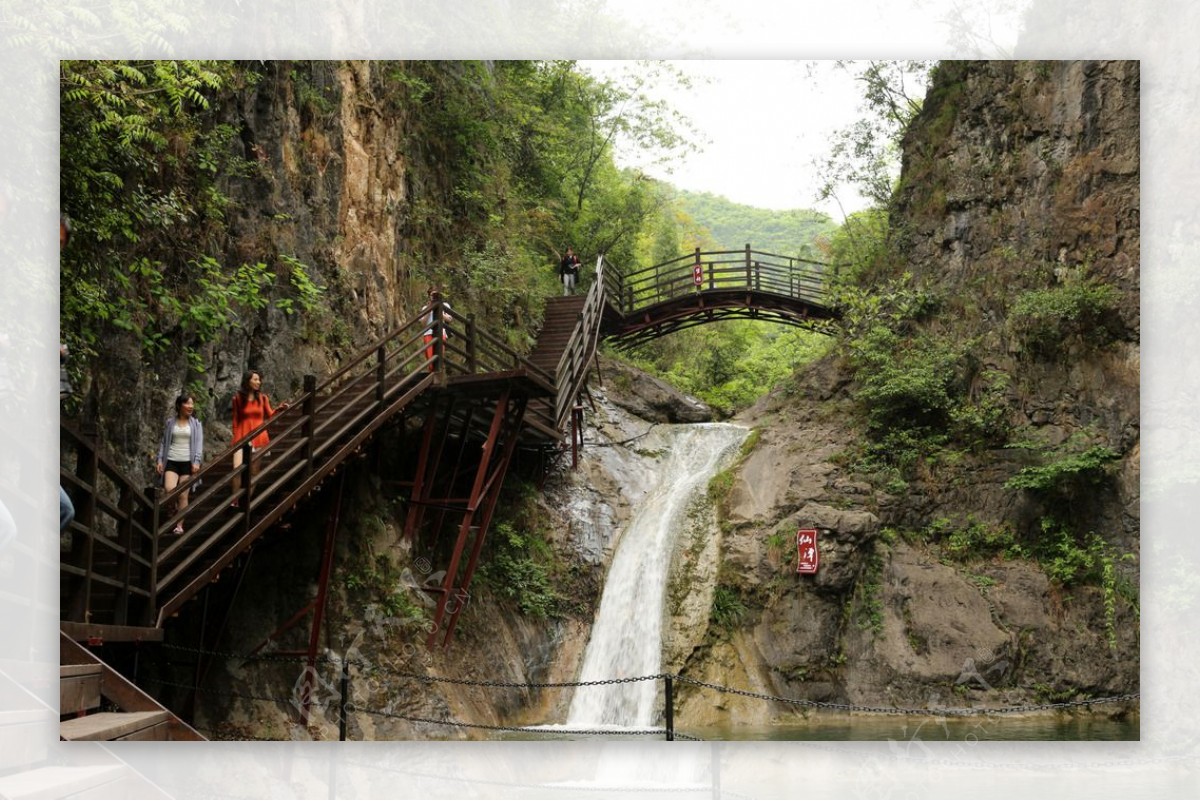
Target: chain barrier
point(340, 703)
point(513, 729)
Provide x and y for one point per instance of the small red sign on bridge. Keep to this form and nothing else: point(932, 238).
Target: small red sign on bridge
point(698, 273)
point(808, 557)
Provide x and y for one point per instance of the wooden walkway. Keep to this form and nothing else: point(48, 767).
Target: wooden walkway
point(125, 573)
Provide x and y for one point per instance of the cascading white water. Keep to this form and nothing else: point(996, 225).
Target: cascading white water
point(627, 634)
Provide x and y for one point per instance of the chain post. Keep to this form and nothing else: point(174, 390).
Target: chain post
point(345, 691)
point(670, 707)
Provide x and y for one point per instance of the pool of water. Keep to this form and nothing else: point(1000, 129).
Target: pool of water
point(897, 728)
point(933, 729)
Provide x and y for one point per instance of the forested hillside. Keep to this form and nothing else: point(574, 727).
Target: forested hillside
point(794, 232)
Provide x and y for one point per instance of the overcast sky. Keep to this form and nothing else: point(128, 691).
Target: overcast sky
point(764, 125)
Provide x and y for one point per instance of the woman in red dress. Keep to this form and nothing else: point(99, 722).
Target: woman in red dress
point(251, 408)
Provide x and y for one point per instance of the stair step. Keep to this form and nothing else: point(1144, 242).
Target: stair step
point(79, 688)
point(150, 725)
point(63, 781)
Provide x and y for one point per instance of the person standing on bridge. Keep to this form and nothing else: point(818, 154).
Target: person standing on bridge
point(431, 310)
point(251, 408)
point(181, 450)
point(568, 270)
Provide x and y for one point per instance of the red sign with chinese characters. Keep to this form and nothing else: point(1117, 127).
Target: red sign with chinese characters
point(698, 273)
point(807, 555)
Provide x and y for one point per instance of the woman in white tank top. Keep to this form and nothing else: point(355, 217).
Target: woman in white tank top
point(180, 451)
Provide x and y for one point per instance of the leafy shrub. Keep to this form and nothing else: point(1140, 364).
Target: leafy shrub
point(1078, 310)
point(974, 539)
point(868, 595)
point(1068, 562)
point(728, 609)
point(1066, 473)
point(985, 420)
point(518, 570)
point(905, 383)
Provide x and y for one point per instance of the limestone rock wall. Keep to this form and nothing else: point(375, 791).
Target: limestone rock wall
point(1015, 175)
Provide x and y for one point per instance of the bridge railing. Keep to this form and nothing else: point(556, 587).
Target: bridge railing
point(712, 271)
point(109, 547)
point(571, 371)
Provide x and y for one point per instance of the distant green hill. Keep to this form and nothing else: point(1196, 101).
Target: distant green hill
point(788, 233)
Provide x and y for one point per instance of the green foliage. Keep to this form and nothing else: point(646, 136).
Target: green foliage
point(920, 388)
point(1066, 471)
point(529, 150)
point(1077, 310)
point(984, 418)
point(728, 608)
point(730, 364)
point(719, 487)
point(374, 582)
point(858, 249)
point(867, 601)
point(143, 160)
point(906, 383)
point(973, 539)
point(520, 569)
point(794, 232)
point(864, 155)
point(1066, 561)
point(1070, 560)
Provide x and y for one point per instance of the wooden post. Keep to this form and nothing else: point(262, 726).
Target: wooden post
point(380, 373)
point(307, 429)
point(748, 265)
point(439, 334)
point(153, 601)
point(472, 356)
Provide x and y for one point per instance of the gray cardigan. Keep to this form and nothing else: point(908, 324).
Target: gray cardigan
point(195, 440)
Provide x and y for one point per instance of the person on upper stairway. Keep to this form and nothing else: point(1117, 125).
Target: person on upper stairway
point(180, 450)
point(430, 311)
point(251, 408)
point(568, 270)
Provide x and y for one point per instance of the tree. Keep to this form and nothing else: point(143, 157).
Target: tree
point(865, 154)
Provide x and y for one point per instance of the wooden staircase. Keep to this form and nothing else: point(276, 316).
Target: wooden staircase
point(98, 703)
point(124, 568)
point(558, 324)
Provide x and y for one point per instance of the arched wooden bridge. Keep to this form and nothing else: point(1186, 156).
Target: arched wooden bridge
point(124, 574)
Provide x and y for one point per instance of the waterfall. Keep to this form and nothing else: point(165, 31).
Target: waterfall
point(627, 634)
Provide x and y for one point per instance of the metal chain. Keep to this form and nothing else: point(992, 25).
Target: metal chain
point(530, 685)
point(826, 705)
point(334, 706)
point(515, 729)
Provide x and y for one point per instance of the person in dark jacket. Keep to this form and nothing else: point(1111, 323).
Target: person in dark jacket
point(568, 270)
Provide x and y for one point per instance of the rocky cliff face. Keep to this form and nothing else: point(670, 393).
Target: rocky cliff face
point(339, 180)
point(1018, 179)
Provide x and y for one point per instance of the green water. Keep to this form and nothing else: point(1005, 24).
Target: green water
point(899, 729)
point(907, 728)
